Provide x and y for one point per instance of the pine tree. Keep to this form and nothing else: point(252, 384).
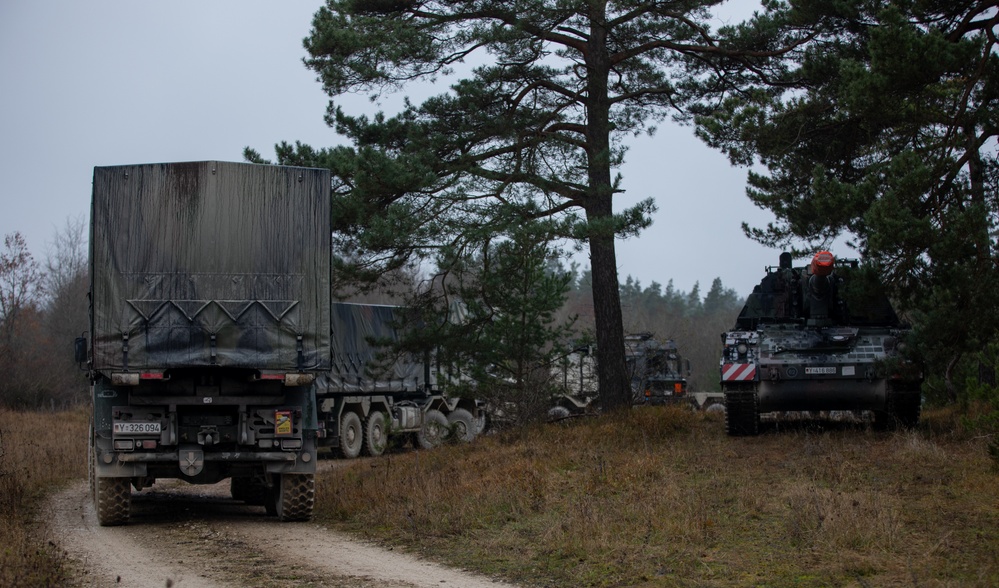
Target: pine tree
point(535, 131)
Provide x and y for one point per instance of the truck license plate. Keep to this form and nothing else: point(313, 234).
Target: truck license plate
point(820, 370)
point(135, 428)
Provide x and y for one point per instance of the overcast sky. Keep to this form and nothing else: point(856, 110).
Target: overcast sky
point(106, 82)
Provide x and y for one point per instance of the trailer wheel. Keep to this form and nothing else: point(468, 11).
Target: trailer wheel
point(294, 496)
point(375, 435)
point(462, 425)
point(715, 407)
point(434, 431)
point(558, 413)
point(351, 435)
point(112, 500)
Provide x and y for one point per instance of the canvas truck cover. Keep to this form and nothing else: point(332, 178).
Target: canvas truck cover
point(359, 363)
point(210, 264)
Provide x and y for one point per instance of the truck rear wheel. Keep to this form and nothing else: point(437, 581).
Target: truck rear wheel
point(294, 496)
point(351, 435)
point(462, 425)
point(434, 431)
point(375, 434)
point(112, 500)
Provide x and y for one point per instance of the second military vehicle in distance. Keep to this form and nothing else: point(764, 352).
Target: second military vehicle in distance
point(655, 369)
point(818, 338)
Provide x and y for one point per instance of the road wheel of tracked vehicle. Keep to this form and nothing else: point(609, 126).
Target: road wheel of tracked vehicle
point(112, 500)
point(294, 496)
point(462, 425)
point(742, 413)
point(250, 490)
point(351, 435)
point(434, 431)
point(375, 434)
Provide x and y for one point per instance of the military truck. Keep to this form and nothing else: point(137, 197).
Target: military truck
point(823, 337)
point(209, 322)
point(575, 379)
point(372, 395)
point(655, 369)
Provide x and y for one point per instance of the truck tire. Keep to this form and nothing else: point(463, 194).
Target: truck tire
point(375, 434)
point(112, 500)
point(351, 435)
point(434, 431)
point(294, 496)
point(462, 425)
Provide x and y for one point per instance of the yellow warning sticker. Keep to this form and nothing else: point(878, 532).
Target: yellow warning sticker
point(282, 422)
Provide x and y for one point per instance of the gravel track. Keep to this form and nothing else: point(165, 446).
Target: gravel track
point(184, 536)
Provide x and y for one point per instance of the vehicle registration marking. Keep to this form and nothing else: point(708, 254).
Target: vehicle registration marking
point(820, 370)
point(130, 428)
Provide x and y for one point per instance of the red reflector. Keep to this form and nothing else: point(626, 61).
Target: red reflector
point(151, 376)
point(822, 263)
point(271, 376)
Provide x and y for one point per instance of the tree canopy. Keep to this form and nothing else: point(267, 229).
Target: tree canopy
point(882, 128)
point(534, 128)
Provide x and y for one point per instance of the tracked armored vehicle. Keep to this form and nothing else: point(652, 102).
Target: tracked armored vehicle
point(818, 338)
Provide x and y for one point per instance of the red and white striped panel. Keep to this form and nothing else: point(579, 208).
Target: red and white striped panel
point(738, 372)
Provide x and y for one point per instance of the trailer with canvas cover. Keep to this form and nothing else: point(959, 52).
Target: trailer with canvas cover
point(373, 393)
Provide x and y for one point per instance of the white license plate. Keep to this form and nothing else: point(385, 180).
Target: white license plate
point(135, 428)
point(820, 370)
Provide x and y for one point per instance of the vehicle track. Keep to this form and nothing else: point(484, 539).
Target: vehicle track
point(183, 536)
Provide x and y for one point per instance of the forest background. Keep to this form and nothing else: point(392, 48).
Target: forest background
point(43, 309)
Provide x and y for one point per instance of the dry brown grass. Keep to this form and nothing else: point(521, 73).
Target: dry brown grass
point(654, 497)
point(39, 452)
point(661, 497)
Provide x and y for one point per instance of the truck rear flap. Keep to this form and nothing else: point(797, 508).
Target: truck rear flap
point(210, 264)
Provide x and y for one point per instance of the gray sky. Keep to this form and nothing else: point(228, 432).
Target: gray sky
point(109, 82)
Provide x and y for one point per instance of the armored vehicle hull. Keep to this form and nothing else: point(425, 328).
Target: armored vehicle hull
point(817, 338)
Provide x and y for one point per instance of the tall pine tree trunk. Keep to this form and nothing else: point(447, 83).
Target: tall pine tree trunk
point(615, 392)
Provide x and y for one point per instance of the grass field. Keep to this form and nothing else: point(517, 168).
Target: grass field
point(652, 497)
point(39, 453)
point(661, 497)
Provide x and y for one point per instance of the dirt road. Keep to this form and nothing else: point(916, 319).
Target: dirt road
point(184, 536)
